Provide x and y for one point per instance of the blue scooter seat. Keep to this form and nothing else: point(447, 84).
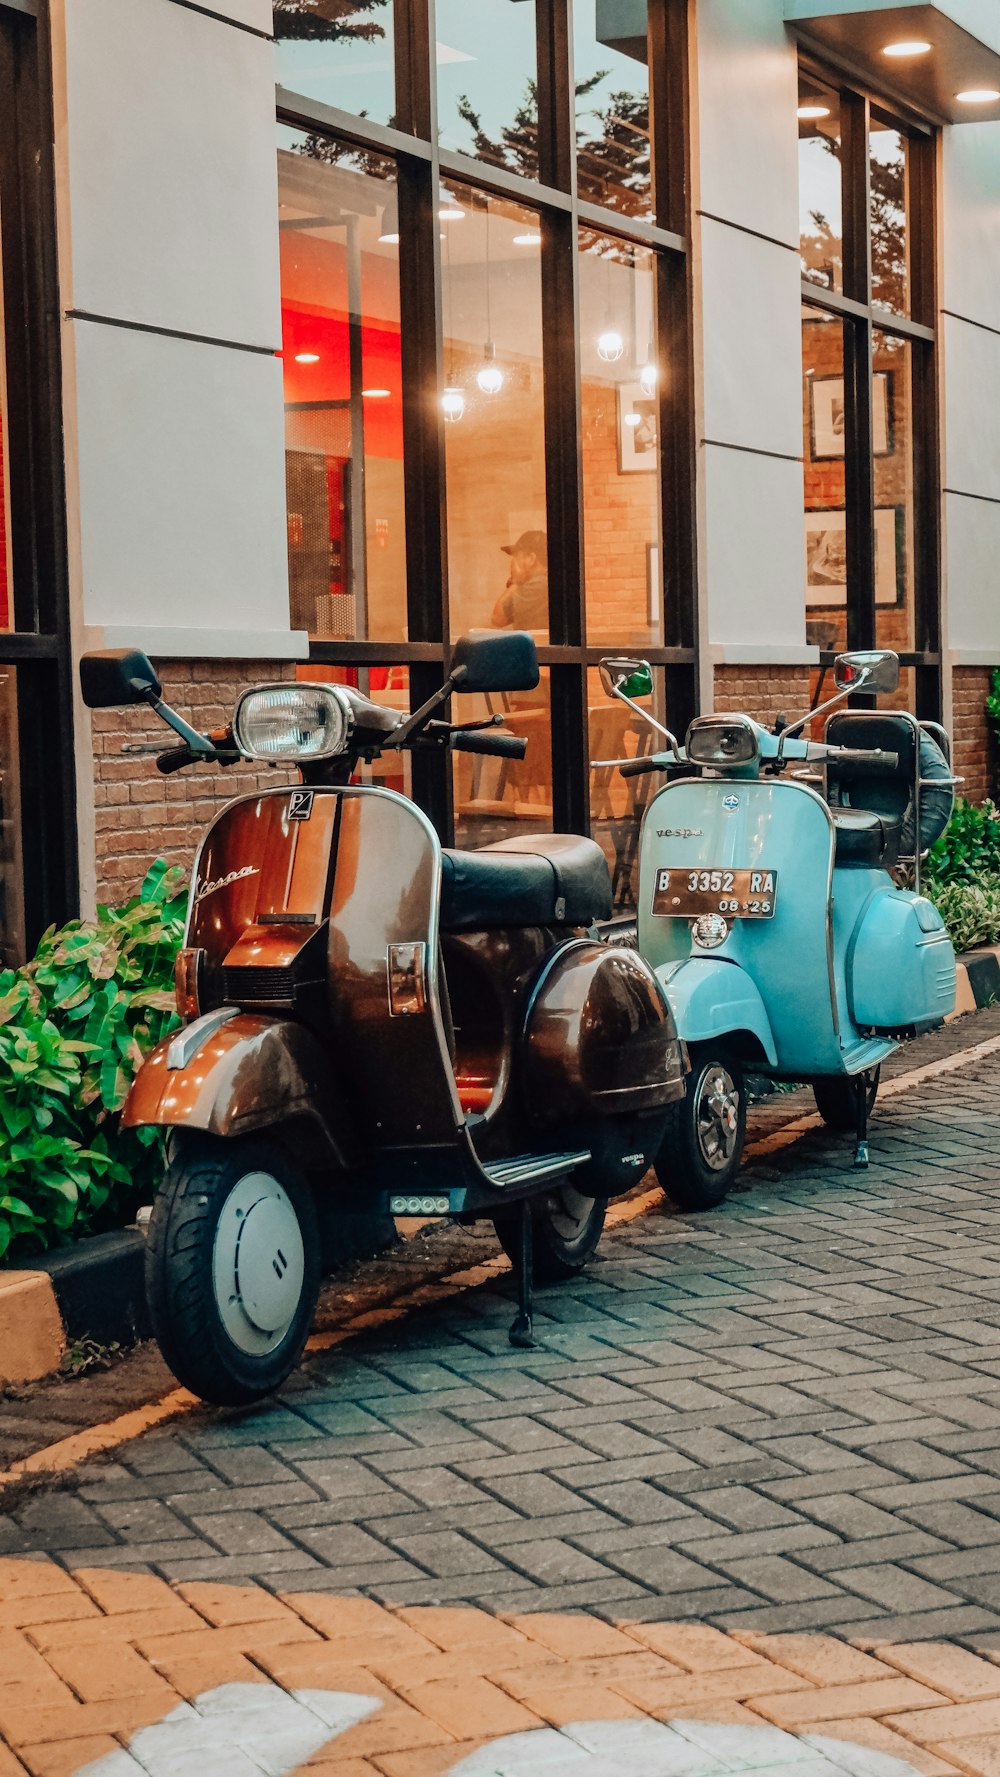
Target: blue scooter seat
point(865, 841)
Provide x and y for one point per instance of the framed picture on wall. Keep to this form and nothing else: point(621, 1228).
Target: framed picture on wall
point(826, 557)
point(638, 429)
point(826, 416)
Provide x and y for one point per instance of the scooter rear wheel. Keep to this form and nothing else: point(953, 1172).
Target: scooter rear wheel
point(232, 1267)
point(836, 1100)
point(566, 1229)
point(703, 1146)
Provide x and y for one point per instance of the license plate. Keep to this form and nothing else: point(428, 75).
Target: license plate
point(738, 894)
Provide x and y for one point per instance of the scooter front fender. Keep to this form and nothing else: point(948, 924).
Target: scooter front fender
point(713, 998)
point(248, 1074)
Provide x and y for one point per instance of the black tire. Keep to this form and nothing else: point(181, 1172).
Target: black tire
point(836, 1100)
point(566, 1230)
point(214, 1345)
point(703, 1146)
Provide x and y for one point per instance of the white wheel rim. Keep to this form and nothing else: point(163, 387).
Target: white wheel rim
point(258, 1264)
point(569, 1212)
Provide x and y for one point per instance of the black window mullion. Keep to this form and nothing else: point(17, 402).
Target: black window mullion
point(859, 396)
point(556, 104)
point(416, 84)
point(669, 122)
point(677, 446)
point(570, 749)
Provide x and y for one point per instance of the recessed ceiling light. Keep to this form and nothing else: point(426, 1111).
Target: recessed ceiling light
point(527, 240)
point(979, 95)
point(910, 47)
point(376, 394)
point(307, 357)
point(811, 111)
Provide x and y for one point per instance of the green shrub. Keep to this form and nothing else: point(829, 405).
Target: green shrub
point(970, 846)
point(75, 1023)
point(970, 910)
point(993, 700)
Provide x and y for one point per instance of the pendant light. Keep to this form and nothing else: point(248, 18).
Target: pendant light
point(389, 234)
point(610, 344)
point(649, 375)
point(490, 376)
point(453, 396)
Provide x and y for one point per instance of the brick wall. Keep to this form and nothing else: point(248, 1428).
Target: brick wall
point(970, 685)
point(763, 692)
point(142, 815)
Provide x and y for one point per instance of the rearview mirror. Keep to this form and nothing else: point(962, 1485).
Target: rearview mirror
point(495, 660)
point(622, 676)
point(113, 677)
point(875, 669)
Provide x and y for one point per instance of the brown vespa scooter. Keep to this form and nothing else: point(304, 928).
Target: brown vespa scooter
point(374, 1024)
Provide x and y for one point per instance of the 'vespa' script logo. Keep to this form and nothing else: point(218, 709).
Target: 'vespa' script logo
point(211, 888)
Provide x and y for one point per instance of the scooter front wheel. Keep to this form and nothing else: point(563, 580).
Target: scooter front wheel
point(232, 1267)
point(837, 1099)
point(566, 1229)
point(703, 1146)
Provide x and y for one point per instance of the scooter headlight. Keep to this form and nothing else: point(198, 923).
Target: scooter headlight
point(722, 740)
point(292, 723)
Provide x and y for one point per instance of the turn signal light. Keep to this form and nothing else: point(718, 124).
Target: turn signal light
point(187, 982)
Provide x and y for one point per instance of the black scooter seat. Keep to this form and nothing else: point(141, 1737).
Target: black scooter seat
point(865, 841)
point(540, 880)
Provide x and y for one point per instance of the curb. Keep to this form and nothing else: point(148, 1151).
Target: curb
point(978, 981)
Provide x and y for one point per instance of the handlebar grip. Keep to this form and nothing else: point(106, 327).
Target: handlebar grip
point(501, 746)
point(637, 767)
point(174, 760)
point(865, 758)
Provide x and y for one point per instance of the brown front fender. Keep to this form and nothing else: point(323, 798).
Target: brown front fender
point(252, 1073)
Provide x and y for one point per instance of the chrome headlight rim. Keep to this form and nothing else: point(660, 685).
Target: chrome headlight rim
point(333, 694)
point(703, 726)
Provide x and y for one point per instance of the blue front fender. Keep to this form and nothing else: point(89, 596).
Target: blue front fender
point(711, 997)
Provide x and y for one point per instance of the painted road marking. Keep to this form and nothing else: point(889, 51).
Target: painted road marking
point(244, 1730)
point(68, 1452)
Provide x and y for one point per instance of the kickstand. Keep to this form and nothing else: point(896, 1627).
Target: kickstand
point(861, 1150)
point(521, 1332)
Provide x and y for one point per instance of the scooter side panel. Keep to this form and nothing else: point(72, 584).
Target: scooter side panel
point(712, 998)
point(774, 824)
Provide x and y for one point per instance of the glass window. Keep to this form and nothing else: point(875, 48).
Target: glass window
point(13, 938)
point(339, 52)
point(821, 199)
point(5, 561)
point(343, 394)
point(621, 451)
point(892, 365)
point(617, 803)
point(493, 401)
point(503, 798)
point(823, 449)
point(888, 153)
point(611, 69)
point(487, 84)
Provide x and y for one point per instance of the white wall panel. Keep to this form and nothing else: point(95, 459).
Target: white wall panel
point(972, 409)
point(972, 562)
point(255, 13)
point(747, 74)
point(754, 545)
point(165, 128)
point(751, 303)
point(970, 214)
point(181, 483)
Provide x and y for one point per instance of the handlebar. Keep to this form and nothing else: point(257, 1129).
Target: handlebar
point(175, 758)
point(501, 746)
point(638, 767)
point(862, 759)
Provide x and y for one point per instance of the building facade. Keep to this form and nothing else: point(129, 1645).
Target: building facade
point(335, 328)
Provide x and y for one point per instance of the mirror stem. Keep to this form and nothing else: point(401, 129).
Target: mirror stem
point(420, 717)
point(653, 723)
point(821, 708)
point(198, 743)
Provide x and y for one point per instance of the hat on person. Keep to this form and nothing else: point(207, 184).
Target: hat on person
point(528, 543)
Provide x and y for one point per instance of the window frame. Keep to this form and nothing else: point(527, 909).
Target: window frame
point(420, 165)
point(861, 319)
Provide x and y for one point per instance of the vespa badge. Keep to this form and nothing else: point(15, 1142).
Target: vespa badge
point(730, 802)
point(709, 930)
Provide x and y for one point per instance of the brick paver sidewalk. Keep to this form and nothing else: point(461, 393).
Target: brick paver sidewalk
point(745, 1442)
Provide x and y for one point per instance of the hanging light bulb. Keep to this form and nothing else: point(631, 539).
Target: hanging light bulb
point(453, 404)
point(649, 376)
point(449, 208)
point(610, 345)
point(490, 376)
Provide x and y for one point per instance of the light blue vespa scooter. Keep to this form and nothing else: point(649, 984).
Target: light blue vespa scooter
point(767, 909)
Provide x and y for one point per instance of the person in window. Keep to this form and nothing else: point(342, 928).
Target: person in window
point(524, 604)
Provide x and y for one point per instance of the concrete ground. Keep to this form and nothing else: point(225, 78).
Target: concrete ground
point(739, 1511)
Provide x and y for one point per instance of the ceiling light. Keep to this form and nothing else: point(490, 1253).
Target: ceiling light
point(453, 404)
point(633, 419)
point(813, 111)
point(649, 376)
point(916, 47)
point(490, 376)
point(376, 394)
point(449, 208)
point(979, 95)
point(307, 357)
point(527, 240)
point(610, 345)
